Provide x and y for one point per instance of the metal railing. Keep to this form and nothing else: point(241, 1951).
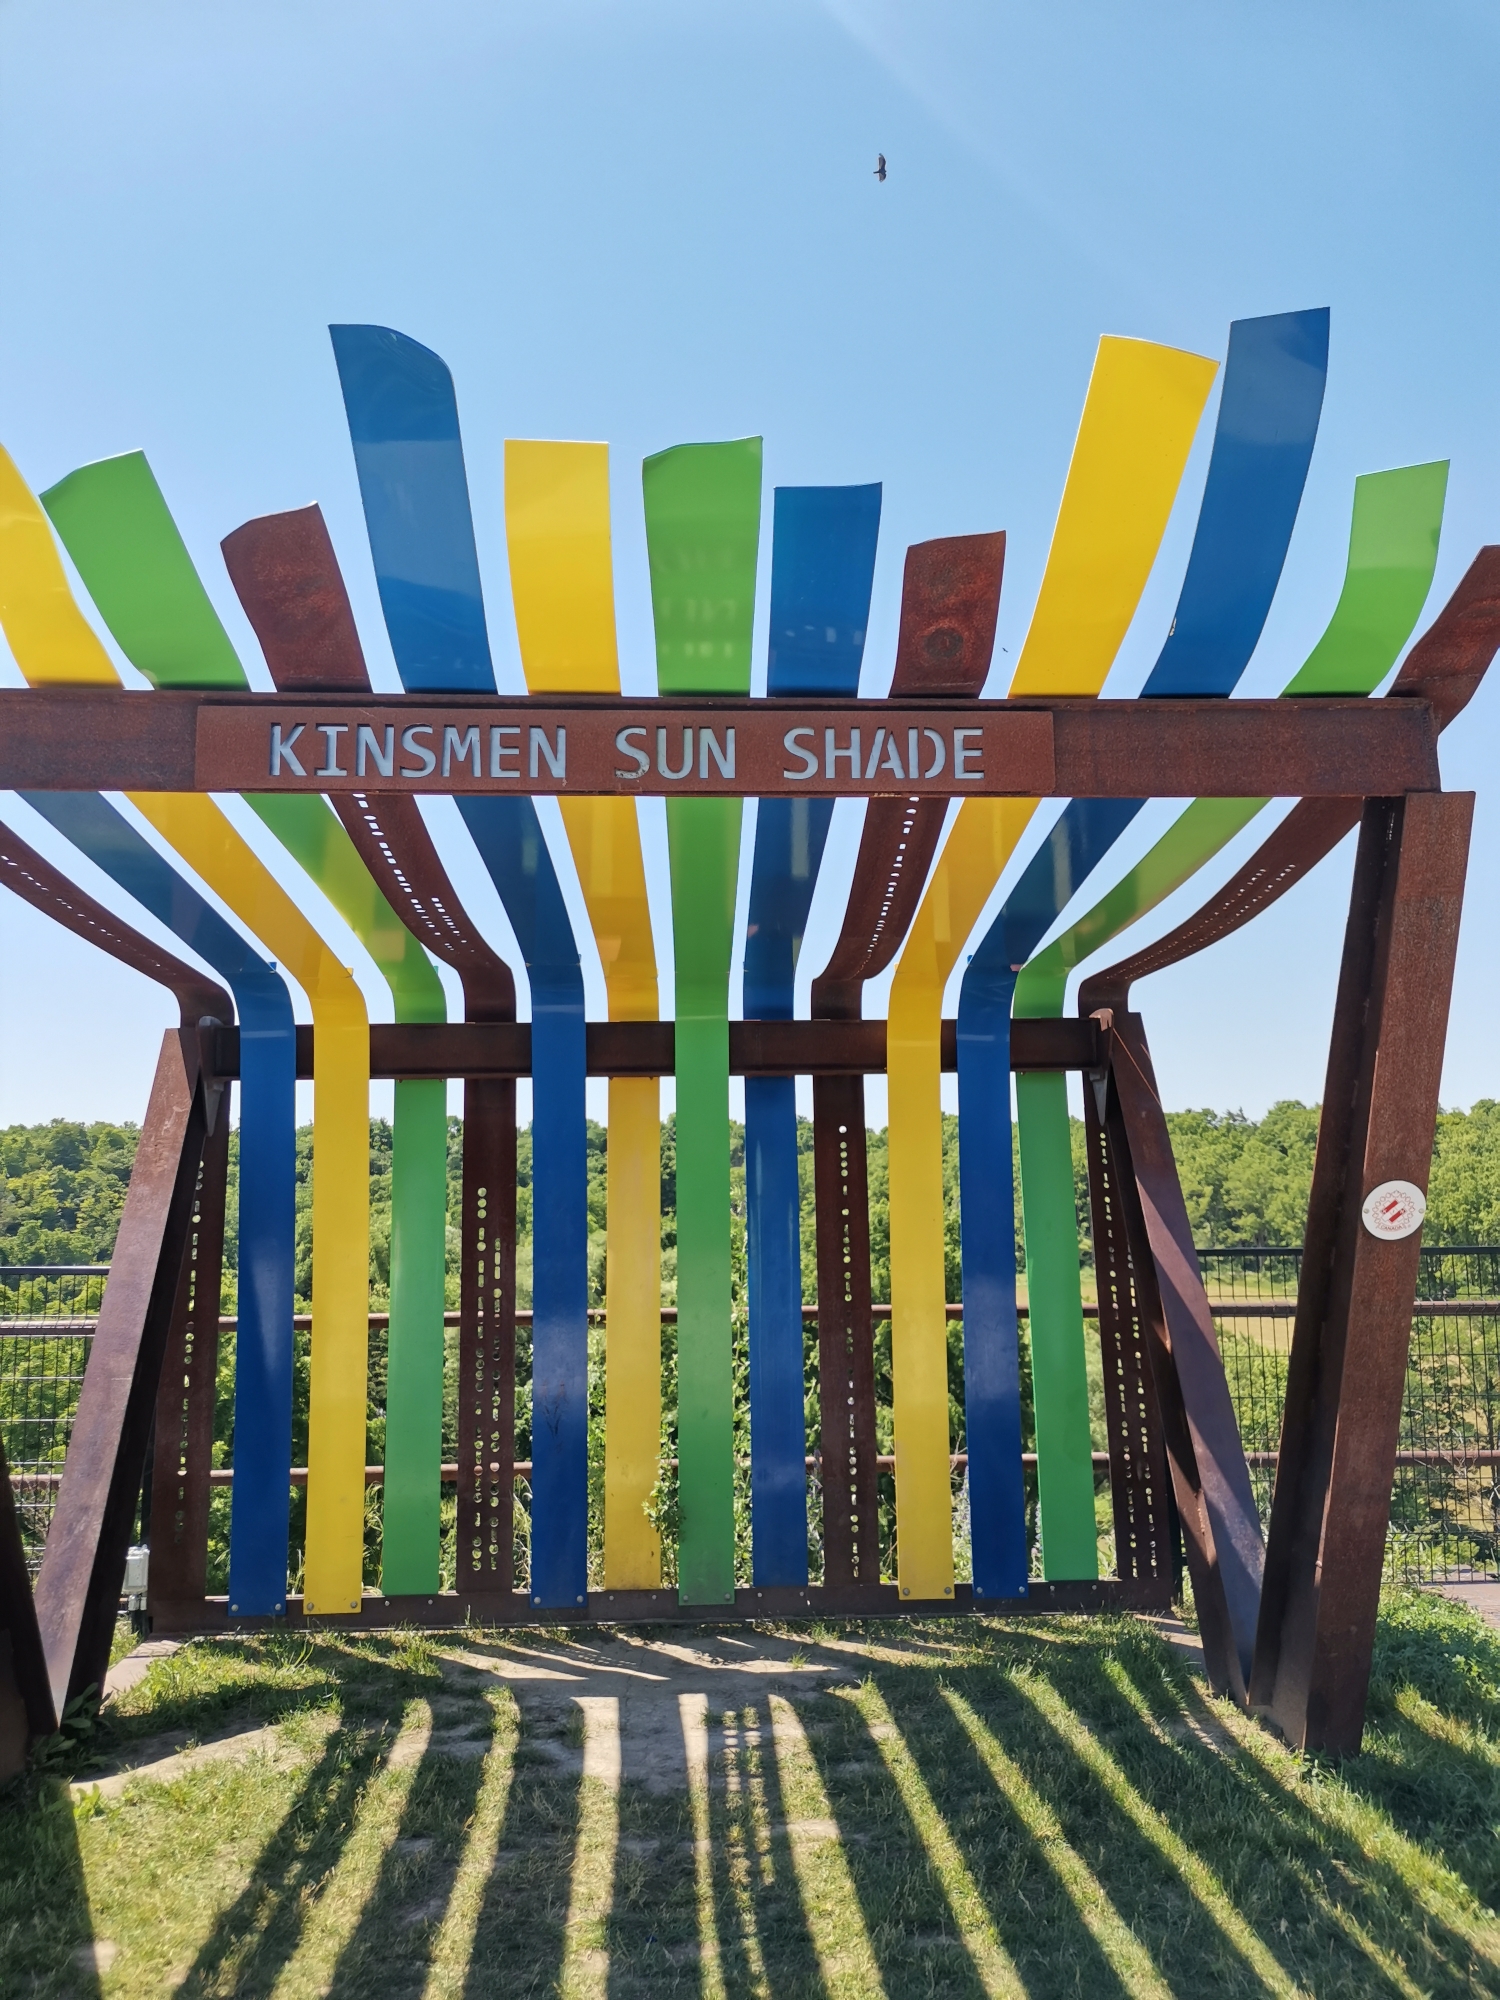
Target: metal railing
point(1445, 1509)
point(47, 1317)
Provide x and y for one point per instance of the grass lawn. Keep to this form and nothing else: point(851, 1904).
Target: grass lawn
point(1028, 1807)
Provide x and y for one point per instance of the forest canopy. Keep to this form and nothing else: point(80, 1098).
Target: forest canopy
point(62, 1189)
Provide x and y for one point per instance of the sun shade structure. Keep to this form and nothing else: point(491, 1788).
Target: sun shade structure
point(682, 1459)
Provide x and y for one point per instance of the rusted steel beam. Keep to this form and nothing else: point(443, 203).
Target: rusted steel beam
point(644, 1048)
point(26, 1708)
point(1137, 1455)
point(70, 739)
point(77, 1593)
point(1214, 1624)
point(90, 1531)
point(1442, 670)
point(26, 874)
point(183, 1433)
point(287, 576)
point(1212, 1476)
point(1348, 1360)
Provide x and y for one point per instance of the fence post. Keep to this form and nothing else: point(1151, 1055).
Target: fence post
point(1350, 1342)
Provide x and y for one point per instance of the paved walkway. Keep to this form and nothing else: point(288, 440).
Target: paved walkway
point(1481, 1597)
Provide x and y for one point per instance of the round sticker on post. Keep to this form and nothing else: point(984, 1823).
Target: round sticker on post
point(1393, 1210)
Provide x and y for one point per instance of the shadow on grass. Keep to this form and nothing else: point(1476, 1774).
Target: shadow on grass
point(391, 1948)
point(652, 1933)
point(44, 1900)
point(1206, 1857)
point(520, 1938)
point(1116, 1836)
point(1054, 1950)
point(1436, 1666)
point(254, 1939)
point(903, 1903)
point(763, 1936)
point(1354, 1907)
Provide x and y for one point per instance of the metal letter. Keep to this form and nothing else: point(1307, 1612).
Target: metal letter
point(415, 749)
point(628, 749)
point(794, 749)
point(281, 750)
point(461, 745)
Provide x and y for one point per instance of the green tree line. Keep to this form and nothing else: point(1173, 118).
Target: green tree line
point(62, 1190)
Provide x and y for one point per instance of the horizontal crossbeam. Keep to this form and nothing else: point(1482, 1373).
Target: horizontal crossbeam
point(648, 1048)
point(881, 1600)
point(75, 739)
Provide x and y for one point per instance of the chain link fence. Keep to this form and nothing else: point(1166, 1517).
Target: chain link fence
point(47, 1317)
point(1445, 1507)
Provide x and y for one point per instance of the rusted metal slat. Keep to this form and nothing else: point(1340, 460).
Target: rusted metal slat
point(1137, 1457)
point(487, 1340)
point(24, 872)
point(950, 602)
point(183, 1432)
point(1443, 670)
point(846, 1357)
point(662, 1607)
point(287, 575)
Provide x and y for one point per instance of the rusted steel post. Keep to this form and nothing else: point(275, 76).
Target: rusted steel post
point(183, 1435)
point(487, 1340)
point(1354, 1306)
point(846, 1356)
point(1215, 1502)
point(78, 1591)
point(1137, 1456)
point(26, 1709)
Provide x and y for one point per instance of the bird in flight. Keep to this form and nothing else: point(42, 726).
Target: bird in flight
point(880, 166)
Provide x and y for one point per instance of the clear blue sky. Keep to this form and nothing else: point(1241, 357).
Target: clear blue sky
point(656, 222)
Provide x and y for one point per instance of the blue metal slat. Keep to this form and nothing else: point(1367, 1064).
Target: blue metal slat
point(822, 570)
point(403, 422)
